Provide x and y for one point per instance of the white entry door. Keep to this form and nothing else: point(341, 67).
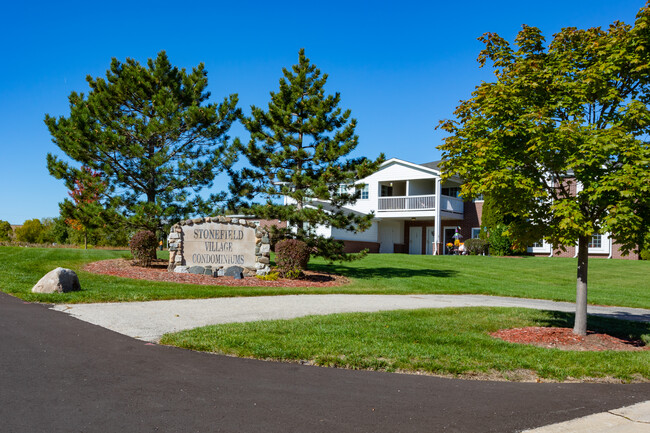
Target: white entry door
point(415, 240)
point(431, 236)
point(388, 236)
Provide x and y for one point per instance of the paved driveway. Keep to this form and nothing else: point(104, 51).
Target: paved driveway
point(150, 320)
point(59, 374)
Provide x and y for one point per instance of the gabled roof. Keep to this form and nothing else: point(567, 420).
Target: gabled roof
point(424, 167)
point(432, 167)
point(433, 164)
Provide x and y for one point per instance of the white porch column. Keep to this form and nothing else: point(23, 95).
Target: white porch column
point(436, 219)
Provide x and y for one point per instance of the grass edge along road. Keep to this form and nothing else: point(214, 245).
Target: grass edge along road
point(448, 342)
point(611, 282)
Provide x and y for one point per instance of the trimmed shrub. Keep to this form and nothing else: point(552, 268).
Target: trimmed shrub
point(476, 246)
point(143, 247)
point(291, 258)
point(645, 254)
point(500, 244)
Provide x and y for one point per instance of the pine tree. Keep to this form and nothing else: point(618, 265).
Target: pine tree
point(151, 134)
point(297, 150)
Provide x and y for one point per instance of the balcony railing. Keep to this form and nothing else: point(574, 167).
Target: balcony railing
point(412, 202)
point(419, 202)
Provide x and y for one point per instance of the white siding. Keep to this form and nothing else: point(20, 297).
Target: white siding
point(422, 187)
point(390, 233)
point(369, 235)
point(323, 231)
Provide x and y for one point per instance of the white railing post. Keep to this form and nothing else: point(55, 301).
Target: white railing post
point(437, 217)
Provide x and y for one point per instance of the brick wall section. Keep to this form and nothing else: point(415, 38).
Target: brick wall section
point(473, 212)
point(356, 246)
point(618, 255)
point(570, 252)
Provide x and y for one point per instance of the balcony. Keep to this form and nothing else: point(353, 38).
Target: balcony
point(419, 203)
point(451, 204)
point(414, 202)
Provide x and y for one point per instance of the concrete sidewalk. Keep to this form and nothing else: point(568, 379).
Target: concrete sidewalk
point(150, 320)
point(630, 419)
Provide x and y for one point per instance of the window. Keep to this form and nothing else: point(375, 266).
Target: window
point(476, 231)
point(596, 241)
point(479, 198)
point(344, 189)
point(451, 192)
point(386, 191)
point(599, 244)
point(364, 192)
point(540, 247)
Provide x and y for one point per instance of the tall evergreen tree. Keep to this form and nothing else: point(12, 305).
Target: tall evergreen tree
point(151, 134)
point(297, 150)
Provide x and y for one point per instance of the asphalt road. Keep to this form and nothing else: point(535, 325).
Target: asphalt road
point(60, 374)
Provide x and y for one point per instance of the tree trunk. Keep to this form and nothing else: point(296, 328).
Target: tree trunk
point(85, 240)
point(580, 324)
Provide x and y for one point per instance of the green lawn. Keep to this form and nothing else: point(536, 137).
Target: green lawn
point(451, 341)
point(611, 282)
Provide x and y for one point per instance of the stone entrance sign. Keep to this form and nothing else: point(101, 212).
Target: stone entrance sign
point(211, 245)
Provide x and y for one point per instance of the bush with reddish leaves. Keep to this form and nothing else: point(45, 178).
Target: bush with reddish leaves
point(291, 257)
point(143, 247)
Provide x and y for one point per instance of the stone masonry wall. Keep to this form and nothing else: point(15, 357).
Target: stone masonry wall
point(177, 262)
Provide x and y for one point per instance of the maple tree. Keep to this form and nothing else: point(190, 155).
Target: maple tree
point(559, 140)
point(86, 211)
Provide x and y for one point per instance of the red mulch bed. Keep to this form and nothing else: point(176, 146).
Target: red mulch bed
point(565, 339)
point(158, 272)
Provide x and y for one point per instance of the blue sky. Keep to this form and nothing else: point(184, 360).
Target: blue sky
point(399, 66)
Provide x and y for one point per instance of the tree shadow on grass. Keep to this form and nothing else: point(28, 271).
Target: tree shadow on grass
point(619, 328)
point(382, 272)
